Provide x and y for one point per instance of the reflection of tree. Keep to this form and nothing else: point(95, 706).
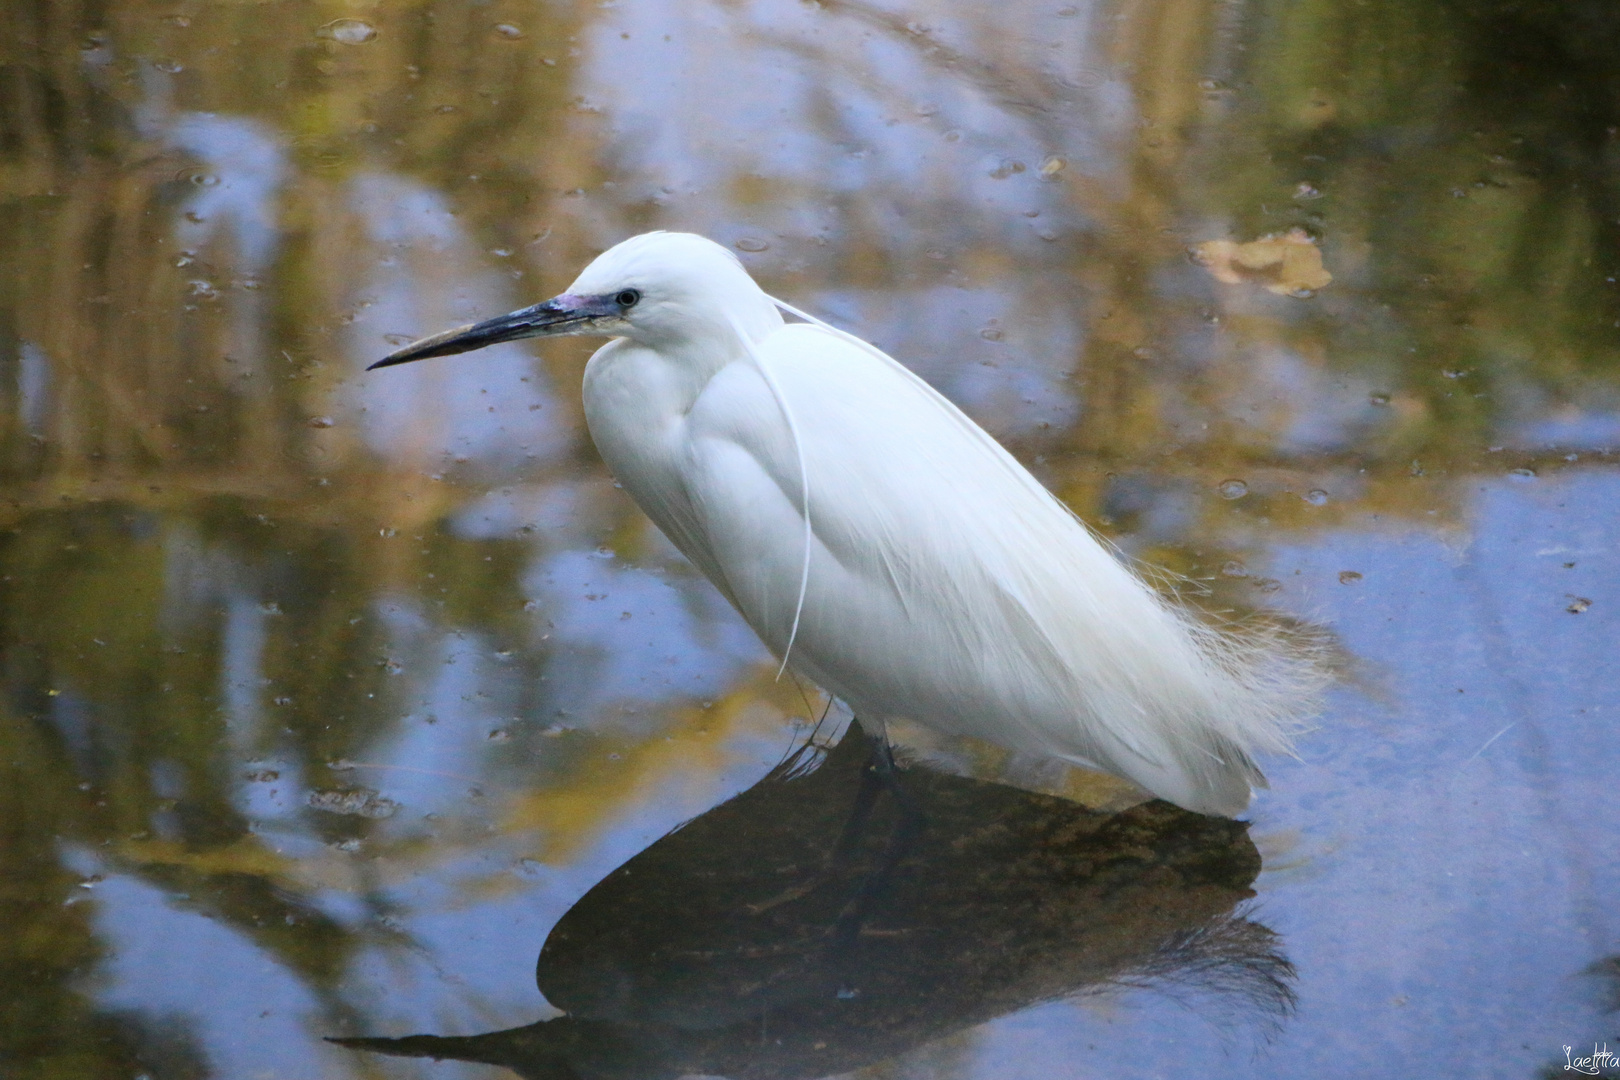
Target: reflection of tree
point(50, 951)
point(1493, 291)
point(165, 476)
point(1475, 213)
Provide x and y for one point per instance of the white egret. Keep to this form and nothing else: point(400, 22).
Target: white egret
point(885, 546)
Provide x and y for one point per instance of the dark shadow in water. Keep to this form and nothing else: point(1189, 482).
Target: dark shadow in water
point(726, 949)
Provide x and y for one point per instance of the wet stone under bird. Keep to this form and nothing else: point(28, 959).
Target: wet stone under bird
point(956, 542)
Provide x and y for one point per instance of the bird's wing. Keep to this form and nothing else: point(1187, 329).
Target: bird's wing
point(917, 578)
point(946, 584)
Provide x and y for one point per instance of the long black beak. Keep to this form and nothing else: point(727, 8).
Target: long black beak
point(560, 315)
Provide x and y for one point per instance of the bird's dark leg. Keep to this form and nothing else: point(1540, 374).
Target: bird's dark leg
point(872, 784)
point(880, 774)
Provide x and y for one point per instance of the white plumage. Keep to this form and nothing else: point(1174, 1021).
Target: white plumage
point(937, 580)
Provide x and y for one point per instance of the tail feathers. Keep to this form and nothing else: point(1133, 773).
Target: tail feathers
point(1257, 683)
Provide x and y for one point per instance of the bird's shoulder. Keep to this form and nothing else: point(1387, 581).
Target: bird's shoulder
point(832, 386)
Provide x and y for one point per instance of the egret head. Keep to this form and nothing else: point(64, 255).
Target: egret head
point(663, 289)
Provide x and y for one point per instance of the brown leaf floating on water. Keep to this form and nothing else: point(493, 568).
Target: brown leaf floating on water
point(1289, 264)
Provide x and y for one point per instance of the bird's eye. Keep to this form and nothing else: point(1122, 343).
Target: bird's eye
point(627, 298)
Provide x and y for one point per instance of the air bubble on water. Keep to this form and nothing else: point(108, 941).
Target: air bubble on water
point(349, 31)
point(752, 243)
point(1267, 584)
point(500, 735)
point(1233, 568)
point(1378, 399)
point(169, 67)
point(1052, 166)
point(320, 422)
point(991, 333)
point(1305, 191)
point(1348, 577)
point(1316, 497)
point(508, 31)
point(1007, 167)
point(270, 607)
point(354, 802)
point(1232, 489)
point(1523, 474)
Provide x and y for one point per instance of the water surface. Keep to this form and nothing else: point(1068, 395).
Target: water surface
point(327, 695)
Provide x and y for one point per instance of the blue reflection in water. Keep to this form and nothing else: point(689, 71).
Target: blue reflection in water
point(33, 388)
point(249, 1012)
point(624, 635)
point(421, 273)
point(1003, 357)
point(848, 100)
point(236, 194)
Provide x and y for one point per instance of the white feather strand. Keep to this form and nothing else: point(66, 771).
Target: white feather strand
point(804, 488)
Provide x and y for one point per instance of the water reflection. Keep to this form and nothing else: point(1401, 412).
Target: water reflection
point(229, 564)
point(737, 946)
